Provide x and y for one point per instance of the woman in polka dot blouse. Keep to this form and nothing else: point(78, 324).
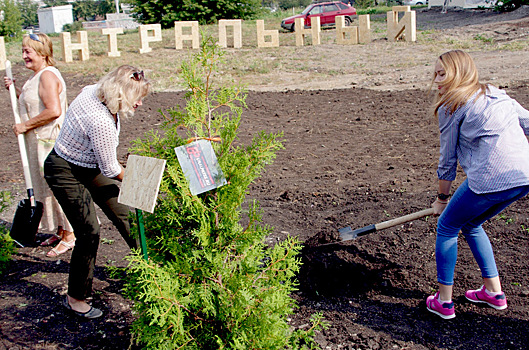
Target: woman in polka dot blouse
point(83, 169)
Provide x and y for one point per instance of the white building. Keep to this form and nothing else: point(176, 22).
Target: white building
point(52, 19)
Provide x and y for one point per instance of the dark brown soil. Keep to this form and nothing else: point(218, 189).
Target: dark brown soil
point(352, 158)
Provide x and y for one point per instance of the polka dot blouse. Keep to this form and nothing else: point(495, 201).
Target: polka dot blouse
point(89, 136)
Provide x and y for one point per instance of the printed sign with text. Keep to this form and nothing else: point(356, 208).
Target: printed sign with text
point(200, 166)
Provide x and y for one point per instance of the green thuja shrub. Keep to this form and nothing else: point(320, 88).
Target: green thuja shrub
point(510, 5)
point(7, 246)
point(211, 282)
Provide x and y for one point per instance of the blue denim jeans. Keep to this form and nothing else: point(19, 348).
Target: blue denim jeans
point(466, 212)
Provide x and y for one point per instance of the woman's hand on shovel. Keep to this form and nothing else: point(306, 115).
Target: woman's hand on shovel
point(8, 82)
point(20, 128)
point(438, 206)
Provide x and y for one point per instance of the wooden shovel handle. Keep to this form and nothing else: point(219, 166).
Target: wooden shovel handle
point(21, 139)
point(12, 92)
point(403, 219)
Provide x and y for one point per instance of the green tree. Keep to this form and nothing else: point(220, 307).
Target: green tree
point(54, 3)
point(7, 246)
point(11, 25)
point(105, 6)
point(89, 9)
point(510, 5)
point(364, 4)
point(86, 9)
point(28, 11)
point(166, 12)
point(288, 4)
point(211, 282)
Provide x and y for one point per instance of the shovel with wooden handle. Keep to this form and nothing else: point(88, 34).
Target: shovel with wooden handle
point(29, 211)
point(347, 234)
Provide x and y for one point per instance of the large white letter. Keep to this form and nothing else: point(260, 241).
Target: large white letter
point(112, 40)
point(180, 37)
point(236, 24)
point(81, 46)
point(145, 38)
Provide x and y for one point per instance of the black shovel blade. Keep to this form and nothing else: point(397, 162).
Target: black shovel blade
point(347, 234)
point(26, 223)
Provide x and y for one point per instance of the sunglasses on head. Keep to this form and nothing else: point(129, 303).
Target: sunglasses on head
point(137, 76)
point(35, 37)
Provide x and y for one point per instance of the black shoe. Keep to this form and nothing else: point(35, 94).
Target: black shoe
point(92, 313)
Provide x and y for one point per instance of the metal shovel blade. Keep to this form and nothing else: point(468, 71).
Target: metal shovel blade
point(26, 222)
point(347, 234)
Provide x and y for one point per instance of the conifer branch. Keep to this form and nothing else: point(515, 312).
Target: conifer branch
point(215, 284)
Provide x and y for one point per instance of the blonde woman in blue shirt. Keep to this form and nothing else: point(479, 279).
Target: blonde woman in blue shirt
point(484, 130)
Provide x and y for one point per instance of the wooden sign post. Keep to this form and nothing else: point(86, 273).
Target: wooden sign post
point(140, 187)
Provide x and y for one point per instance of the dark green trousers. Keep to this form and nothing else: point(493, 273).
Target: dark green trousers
point(76, 189)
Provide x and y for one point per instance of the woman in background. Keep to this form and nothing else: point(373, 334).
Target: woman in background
point(484, 130)
point(42, 106)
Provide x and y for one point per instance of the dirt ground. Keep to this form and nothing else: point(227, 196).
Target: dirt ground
point(353, 156)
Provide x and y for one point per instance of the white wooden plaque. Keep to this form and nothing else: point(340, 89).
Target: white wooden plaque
point(141, 182)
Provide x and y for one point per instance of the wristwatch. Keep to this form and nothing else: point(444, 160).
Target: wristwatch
point(443, 196)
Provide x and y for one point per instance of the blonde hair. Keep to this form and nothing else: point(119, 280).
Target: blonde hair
point(42, 47)
point(461, 81)
point(120, 89)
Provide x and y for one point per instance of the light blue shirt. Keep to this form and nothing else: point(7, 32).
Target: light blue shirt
point(487, 137)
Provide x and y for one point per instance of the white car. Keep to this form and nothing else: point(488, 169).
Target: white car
point(414, 2)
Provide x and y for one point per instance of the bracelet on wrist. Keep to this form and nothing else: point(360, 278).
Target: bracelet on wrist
point(443, 197)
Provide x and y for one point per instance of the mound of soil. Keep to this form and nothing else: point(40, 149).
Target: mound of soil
point(352, 157)
point(458, 17)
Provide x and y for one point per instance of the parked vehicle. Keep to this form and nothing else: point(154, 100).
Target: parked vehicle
point(327, 11)
point(414, 2)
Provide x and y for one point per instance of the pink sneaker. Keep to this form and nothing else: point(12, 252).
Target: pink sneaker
point(480, 296)
point(444, 310)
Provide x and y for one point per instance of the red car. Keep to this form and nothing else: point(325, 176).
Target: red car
point(327, 11)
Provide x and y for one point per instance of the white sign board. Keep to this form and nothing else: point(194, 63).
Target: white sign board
point(141, 182)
